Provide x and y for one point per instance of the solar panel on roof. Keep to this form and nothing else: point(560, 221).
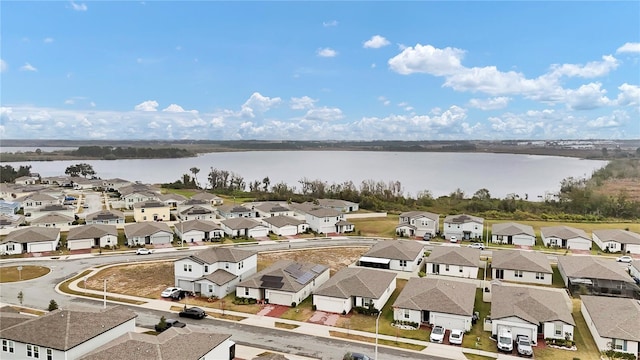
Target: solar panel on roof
point(271, 278)
point(305, 278)
point(272, 284)
point(294, 271)
point(318, 269)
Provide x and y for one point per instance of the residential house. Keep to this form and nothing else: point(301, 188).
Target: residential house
point(215, 272)
point(521, 266)
point(45, 210)
point(285, 283)
point(11, 221)
point(115, 184)
point(30, 240)
point(80, 183)
point(355, 287)
point(9, 207)
point(148, 233)
point(323, 220)
point(53, 220)
point(37, 200)
point(197, 212)
point(594, 276)
point(211, 199)
point(565, 237)
point(271, 208)
point(614, 323)
point(27, 180)
point(111, 217)
point(418, 223)
point(88, 236)
point(438, 302)
point(464, 227)
point(64, 334)
point(185, 343)
point(238, 227)
point(234, 211)
point(453, 261)
point(172, 200)
point(136, 193)
point(198, 231)
point(399, 255)
point(513, 234)
point(339, 205)
point(536, 312)
point(151, 210)
point(634, 269)
point(283, 225)
point(615, 240)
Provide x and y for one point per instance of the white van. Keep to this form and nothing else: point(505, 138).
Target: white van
point(505, 340)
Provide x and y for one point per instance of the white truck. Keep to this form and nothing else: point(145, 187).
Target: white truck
point(505, 340)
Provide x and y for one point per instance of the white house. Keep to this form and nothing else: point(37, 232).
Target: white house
point(115, 184)
point(198, 230)
point(284, 283)
point(239, 226)
point(447, 303)
point(30, 240)
point(418, 223)
point(513, 234)
point(197, 212)
point(109, 217)
point(340, 205)
point(172, 200)
point(283, 225)
point(53, 220)
point(209, 198)
point(323, 220)
point(521, 266)
point(595, 276)
point(64, 334)
point(615, 240)
point(215, 271)
point(355, 287)
point(453, 261)
point(634, 269)
point(10, 221)
point(45, 210)
point(134, 194)
point(9, 207)
point(187, 343)
point(532, 311)
point(614, 323)
point(271, 209)
point(399, 255)
point(27, 180)
point(148, 233)
point(565, 237)
point(233, 211)
point(88, 236)
point(463, 226)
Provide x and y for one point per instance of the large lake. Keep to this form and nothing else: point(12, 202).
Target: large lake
point(440, 173)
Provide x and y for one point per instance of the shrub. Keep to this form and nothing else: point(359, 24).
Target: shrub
point(293, 304)
point(53, 305)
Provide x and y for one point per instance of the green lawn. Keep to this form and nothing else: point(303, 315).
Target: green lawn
point(470, 340)
point(556, 277)
point(383, 227)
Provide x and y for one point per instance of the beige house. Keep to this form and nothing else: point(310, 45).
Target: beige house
point(152, 210)
point(521, 266)
point(453, 261)
point(614, 323)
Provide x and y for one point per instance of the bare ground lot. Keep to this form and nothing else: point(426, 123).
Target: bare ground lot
point(630, 187)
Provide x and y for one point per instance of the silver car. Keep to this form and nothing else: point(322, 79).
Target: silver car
point(523, 345)
point(437, 334)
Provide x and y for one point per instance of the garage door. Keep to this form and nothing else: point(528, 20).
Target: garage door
point(328, 304)
point(41, 247)
point(448, 322)
point(288, 231)
point(185, 284)
point(279, 298)
point(259, 233)
point(517, 330)
point(79, 244)
point(161, 239)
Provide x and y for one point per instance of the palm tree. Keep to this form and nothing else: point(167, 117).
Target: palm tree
point(194, 170)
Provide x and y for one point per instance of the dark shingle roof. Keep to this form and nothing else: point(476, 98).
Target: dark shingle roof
point(106, 215)
point(535, 305)
point(396, 250)
point(362, 282)
point(445, 296)
point(532, 261)
point(614, 318)
point(454, 255)
point(91, 231)
point(213, 255)
point(32, 234)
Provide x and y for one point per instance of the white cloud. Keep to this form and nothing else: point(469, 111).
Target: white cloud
point(79, 6)
point(330, 23)
point(586, 97)
point(69, 102)
point(48, 40)
point(376, 42)
point(516, 125)
point(175, 108)
point(258, 103)
point(373, 65)
point(490, 103)
point(629, 48)
point(327, 52)
point(590, 70)
point(324, 114)
point(629, 95)
point(302, 103)
point(28, 67)
point(384, 100)
point(616, 119)
point(3, 66)
point(92, 104)
point(427, 59)
point(149, 105)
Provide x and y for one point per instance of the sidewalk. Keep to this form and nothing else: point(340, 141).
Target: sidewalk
point(445, 351)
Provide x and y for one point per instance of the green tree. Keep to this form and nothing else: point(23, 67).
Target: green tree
point(83, 169)
point(162, 325)
point(482, 194)
point(194, 170)
point(53, 305)
point(605, 152)
point(20, 297)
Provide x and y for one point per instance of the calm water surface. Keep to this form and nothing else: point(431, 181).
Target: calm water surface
point(440, 173)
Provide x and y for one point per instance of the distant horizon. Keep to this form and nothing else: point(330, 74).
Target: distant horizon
point(320, 71)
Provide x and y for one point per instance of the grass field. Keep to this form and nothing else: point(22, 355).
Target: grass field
point(470, 340)
point(27, 272)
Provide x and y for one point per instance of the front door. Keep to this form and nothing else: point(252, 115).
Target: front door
point(499, 273)
point(425, 316)
point(510, 240)
point(436, 268)
point(96, 242)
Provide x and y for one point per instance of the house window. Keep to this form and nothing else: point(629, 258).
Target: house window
point(403, 263)
point(446, 267)
point(144, 218)
point(558, 329)
point(246, 291)
point(10, 247)
point(33, 351)
point(226, 265)
point(406, 313)
point(142, 210)
point(619, 344)
point(206, 267)
point(240, 265)
point(518, 273)
point(8, 346)
point(188, 268)
point(210, 288)
point(49, 354)
point(540, 276)
point(460, 268)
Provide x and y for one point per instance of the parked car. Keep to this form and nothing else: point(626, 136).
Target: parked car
point(477, 245)
point(181, 294)
point(455, 337)
point(453, 239)
point(144, 251)
point(193, 312)
point(171, 323)
point(505, 340)
point(170, 291)
point(355, 356)
point(426, 237)
point(437, 334)
point(625, 259)
point(523, 345)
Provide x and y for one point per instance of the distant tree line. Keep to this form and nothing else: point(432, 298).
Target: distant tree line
point(113, 153)
point(9, 174)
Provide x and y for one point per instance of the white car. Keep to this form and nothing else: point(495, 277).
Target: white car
point(477, 246)
point(455, 337)
point(453, 239)
point(168, 292)
point(625, 259)
point(437, 334)
point(144, 251)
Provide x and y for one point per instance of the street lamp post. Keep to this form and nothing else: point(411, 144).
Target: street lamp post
point(104, 305)
point(377, 322)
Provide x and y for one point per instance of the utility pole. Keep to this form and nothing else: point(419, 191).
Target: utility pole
point(377, 322)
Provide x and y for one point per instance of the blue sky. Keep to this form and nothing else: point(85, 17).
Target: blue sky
point(320, 70)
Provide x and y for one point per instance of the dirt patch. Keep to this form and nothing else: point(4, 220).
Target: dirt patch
point(26, 272)
point(336, 257)
point(630, 187)
point(146, 279)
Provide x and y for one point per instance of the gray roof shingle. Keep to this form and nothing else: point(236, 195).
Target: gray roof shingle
point(146, 228)
point(362, 282)
point(444, 296)
point(216, 254)
point(241, 223)
point(621, 236)
point(532, 261)
point(396, 250)
point(511, 229)
point(454, 255)
point(463, 218)
point(106, 215)
point(614, 318)
point(590, 267)
point(201, 225)
point(535, 305)
point(219, 277)
point(282, 220)
point(278, 269)
point(91, 231)
point(32, 234)
point(563, 232)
